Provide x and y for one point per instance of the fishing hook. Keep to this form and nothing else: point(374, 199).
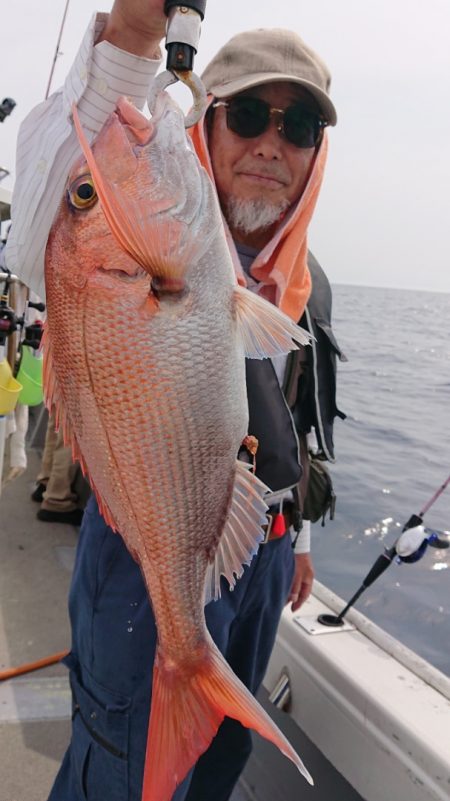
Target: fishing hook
point(192, 81)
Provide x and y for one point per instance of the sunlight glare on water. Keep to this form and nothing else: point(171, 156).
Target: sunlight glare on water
point(392, 453)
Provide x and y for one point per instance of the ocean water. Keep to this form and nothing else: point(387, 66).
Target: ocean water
point(393, 452)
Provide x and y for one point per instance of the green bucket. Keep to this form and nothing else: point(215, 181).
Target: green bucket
point(10, 389)
point(30, 376)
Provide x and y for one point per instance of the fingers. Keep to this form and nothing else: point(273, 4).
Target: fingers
point(299, 595)
point(136, 26)
point(297, 598)
point(302, 582)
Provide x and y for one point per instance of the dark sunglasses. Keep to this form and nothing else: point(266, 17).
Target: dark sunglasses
point(249, 117)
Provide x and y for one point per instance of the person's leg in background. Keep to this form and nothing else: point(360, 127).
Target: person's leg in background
point(46, 462)
point(56, 477)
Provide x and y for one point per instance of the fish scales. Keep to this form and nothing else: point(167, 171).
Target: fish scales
point(145, 366)
point(183, 470)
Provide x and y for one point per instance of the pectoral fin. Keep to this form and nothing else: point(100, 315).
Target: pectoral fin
point(265, 330)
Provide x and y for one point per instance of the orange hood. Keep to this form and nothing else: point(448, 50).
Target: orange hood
point(282, 264)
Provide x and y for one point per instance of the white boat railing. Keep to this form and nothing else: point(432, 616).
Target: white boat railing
point(376, 710)
point(409, 659)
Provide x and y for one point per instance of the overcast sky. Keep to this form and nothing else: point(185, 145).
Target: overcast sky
point(383, 216)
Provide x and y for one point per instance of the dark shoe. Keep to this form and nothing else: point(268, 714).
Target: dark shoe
point(72, 518)
point(38, 494)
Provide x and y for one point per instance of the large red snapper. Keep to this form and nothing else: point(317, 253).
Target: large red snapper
point(144, 362)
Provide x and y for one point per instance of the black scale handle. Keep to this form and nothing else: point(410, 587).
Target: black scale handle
point(180, 56)
point(198, 6)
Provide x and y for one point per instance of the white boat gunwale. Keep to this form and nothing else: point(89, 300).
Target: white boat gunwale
point(377, 711)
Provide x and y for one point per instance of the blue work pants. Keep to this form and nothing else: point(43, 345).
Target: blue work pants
point(111, 661)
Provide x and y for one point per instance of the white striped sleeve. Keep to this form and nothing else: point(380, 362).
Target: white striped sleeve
point(47, 145)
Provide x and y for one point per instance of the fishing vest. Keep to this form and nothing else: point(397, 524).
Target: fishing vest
point(279, 416)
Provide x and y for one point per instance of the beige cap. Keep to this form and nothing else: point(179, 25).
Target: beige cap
point(265, 55)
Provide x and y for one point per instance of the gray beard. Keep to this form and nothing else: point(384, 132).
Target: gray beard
point(253, 215)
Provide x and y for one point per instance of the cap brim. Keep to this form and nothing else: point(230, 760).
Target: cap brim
point(234, 87)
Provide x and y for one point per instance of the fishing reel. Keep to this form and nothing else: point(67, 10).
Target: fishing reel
point(34, 331)
point(33, 335)
point(413, 543)
point(182, 38)
point(10, 321)
point(408, 548)
point(6, 107)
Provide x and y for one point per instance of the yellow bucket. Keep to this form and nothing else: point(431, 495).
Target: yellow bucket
point(30, 376)
point(10, 389)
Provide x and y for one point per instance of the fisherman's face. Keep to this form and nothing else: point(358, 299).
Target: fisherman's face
point(264, 168)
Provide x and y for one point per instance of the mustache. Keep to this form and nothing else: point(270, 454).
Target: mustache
point(274, 171)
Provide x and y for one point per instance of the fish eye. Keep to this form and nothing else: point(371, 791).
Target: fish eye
point(81, 193)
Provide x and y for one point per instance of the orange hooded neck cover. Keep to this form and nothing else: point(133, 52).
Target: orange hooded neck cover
point(281, 266)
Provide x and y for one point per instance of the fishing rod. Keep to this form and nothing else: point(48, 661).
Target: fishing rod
point(409, 547)
point(57, 50)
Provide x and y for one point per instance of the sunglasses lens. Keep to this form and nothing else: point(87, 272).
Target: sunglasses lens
point(248, 116)
point(301, 126)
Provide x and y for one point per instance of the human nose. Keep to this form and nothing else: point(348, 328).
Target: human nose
point(269, 144)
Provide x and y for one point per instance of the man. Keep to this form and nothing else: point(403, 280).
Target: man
point(263, 138)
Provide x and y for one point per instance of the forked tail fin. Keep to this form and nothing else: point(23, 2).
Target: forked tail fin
point(187, 710)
